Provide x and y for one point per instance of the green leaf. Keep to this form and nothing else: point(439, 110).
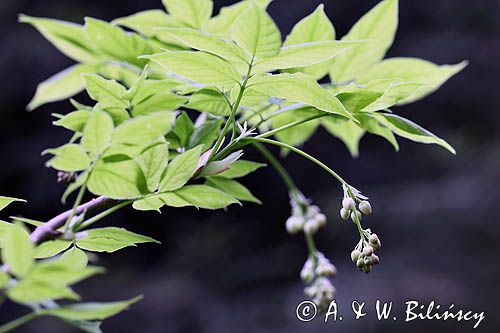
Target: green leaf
point(70, 157)
point(86, 326)
point(146, 21)
point(74, 121)
point(183, 128)
point(180, 170)
point(198, 66)
point(74, 259)
point(114, 42)
point(256, 32)
point(5, 201)
point(345, 130)
point(67, 37)
point(63, 85)
point(314, 28)
point(409, 130)
point(299, 134)
point(117, 180)
point(298, 88)
point(195, 13)
point(111, 239)
point(51, 248)
point(203, 196)
point(205, 42)
point(97, 132)
point(141, 130)
point(4, 279)
point(241, 168)
point(164, 101)
point(153, 162)
point(412, 70)
point(149, 203)
point(370, 124)
point(206, 133)
point(211, 101)
point(221, 24)
point(377, 29)
point(17, 251)
point(395, 94)
point(32, 291)
point(303, 55)
point(233, 188)
point(89, 311)
point(109, 93)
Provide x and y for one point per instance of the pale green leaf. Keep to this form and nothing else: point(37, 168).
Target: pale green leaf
point(143, 129)
point(345, 130)
point(210, 101)
point(206, 133)
point(17, 251)
point(32, 291)
point(180, 170)
point(183, 128)
point(111, 239)
point(149, 203)
point(203, 196)
point(299, 88)
point(146, 21)
point(117, 180)
point(412, 70)
point(97, 132)
point(4, 279)
point(195, 13)
point(303, 55)
point(409, 130)
point(241, 168)
point(233, 188)
point(69, 158)
point(109, 93)
point(69, 38)
point(221, 24)
point(299, 134)
point(74, 121)
point(205, 42)
point(62, 85)
point(370, 124)
point(198, 66)
point(376, 29)
point(115, 43)
point(164, 101)
point(5, 201)
point(51, 248)
point(255, 31)
point(89, 311)
point(153, 162)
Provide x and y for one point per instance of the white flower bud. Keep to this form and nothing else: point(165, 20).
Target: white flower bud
point(367, 250)
point(355, 255)
point(348, 203)
point(320, 219)
point(311, 227)
point(307, 272)
point(373, 239)
point(294, 224)
point(344, 214)
point(375, 259)
point(360, 263)
point(365, 207)
point(355, 214)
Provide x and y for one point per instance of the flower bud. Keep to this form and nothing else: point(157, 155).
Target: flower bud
point(311, 227)
point(373, 239)
point(354, 215)
point(360, 263)
point(355, 255)
point(320, 219)
point(368, 250)
point(348, 203)
point(344, 214)
point(365, 207)
point(294, 224)
point(307, 272)
point(375, 259)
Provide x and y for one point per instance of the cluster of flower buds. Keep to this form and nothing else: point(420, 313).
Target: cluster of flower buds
point(66, 177)
point(349, 210)
point(316, 272)
point(305, 217)
point(364, 254)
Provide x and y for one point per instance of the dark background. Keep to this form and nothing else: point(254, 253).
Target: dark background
point(237, 271)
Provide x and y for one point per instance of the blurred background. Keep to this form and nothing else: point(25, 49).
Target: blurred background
point(237, 271)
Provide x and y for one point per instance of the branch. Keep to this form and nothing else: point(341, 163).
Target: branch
point(49, 229)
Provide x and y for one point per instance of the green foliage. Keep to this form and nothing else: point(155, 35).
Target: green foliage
point(236, 83)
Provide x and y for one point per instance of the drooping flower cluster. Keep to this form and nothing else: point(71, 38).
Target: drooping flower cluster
point(364, 255)
point(317, 269)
